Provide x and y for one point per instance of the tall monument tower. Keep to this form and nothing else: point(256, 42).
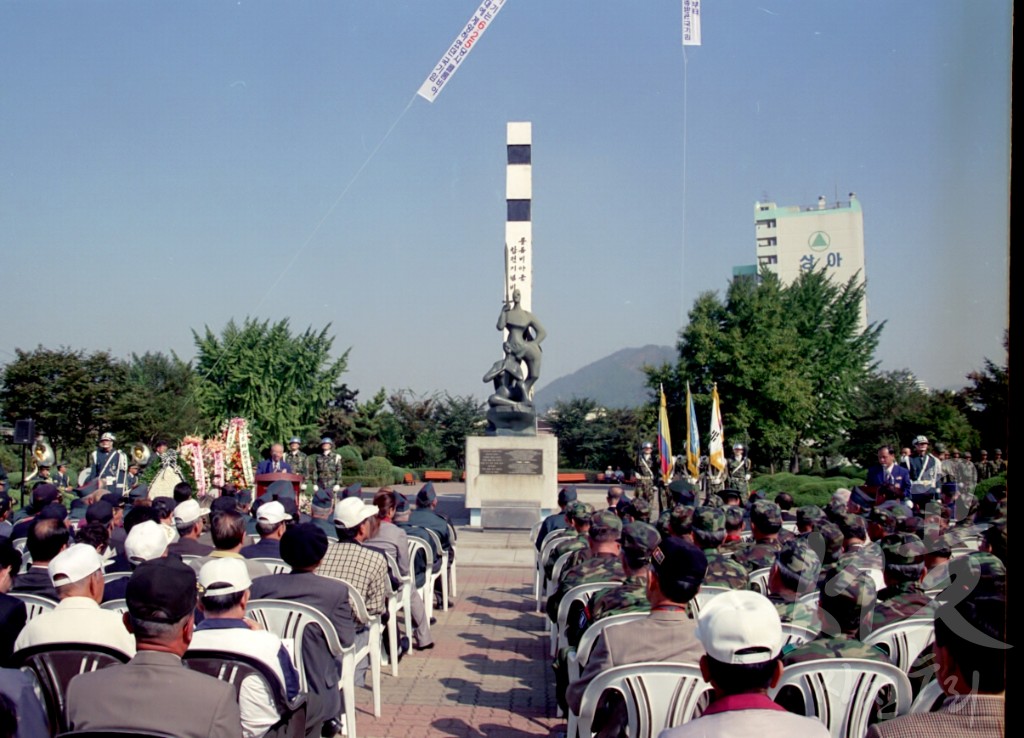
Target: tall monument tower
point(518, 221)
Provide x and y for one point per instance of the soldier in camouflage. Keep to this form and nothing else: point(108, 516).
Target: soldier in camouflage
point(858, 553)
point(903, 596)
point(984, 466)
point(708, 535)
point(578, 514)
point(735, 522)
point(794, 573)
point(603, 563)
point(993, 539)
point(638, 540)
point(637, 509)
point(327, 468)
point(645, 466)
point(739, 469)
point(296, 459)
point(765, 524)
point(680, 523)
point(809, 517)
point(829, 547)
point(968, 474)
point(845, 608)
point(662, 525)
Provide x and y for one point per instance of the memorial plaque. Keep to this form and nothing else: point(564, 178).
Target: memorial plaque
point(511, 461)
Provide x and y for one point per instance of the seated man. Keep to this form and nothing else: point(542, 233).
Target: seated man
point(224, 584)
point(303, 547)
point(742, 636)
point(578, 515)
point(794, 573)
point(46, 539)
point(765, 524)
point(228, 532)
point(77, 575)
point(668, 634)
point(270, 522)
point(189, 520)
point(601, 565)
point(556, 521)
point(903, 596)
point(708, 535)
point(169, 698)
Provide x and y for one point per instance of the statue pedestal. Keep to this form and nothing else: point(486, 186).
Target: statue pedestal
point(510, 480)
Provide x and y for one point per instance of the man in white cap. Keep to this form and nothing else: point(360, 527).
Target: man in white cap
point(224, 593)
point(742, 638)
point(362, 567)
point(108, 466)
point(146, 541)
point(77, 575)
point(925, 467)
point(271, 518)
point(189, 520)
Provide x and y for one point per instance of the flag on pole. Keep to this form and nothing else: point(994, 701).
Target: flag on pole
point(445, 69)
point(692, 437)
point(691, 22)
point(716, 444)
point(664, 440)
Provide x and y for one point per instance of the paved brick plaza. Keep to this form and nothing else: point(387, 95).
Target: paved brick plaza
point(488, 674)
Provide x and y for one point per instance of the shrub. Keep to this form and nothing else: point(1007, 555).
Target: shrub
point(351, 460)
point(983, 487)
point(379, 469)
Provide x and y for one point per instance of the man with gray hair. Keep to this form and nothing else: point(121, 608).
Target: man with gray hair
point(77, 575)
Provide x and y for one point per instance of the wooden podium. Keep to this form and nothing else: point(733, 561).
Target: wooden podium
point(265, 480)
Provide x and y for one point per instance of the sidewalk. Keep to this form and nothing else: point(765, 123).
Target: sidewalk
point(488, 674)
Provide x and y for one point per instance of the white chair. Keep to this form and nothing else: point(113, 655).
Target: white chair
point(453, 580)
point(703, 597)
point(276, 566)
point(371, 650)
point(443, 573)
point(120, 606)
point(579, 593)
point(929, 699)
point(759, 580)
point(579, 656)
point(289, 621)
point(556, 574)
point(842, 692)
point(657, 695)
point(399, 601)
point(427, 590)
point(34, 604)
point(111, 576)
point(797, 634)
point(546, 548)
point(810, 599)
point(904, 641)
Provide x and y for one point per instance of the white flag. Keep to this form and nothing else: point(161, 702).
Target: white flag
point(691, 22)
point(716, 444)
point(459, 50)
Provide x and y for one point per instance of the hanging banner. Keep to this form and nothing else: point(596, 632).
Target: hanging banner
point(691, 22)
point(459, 50)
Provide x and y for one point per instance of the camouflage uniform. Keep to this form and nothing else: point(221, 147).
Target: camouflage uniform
point(798, 566)
point(578, 512)
point(832, 647)
point(967, 475)
point(604, 526)
point(810, 516)
point(630, 596)
point(327, 471)
point(298, 461)
point(759, 554)
point(984, 467)
point(906, 599)
point(833, 541)
point(722, 570)
point(739, 470)
point(645, 467)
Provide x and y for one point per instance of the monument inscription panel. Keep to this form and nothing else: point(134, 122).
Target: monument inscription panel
point(511, 461)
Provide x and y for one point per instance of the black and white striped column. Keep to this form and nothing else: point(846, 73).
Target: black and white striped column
point(518, 223)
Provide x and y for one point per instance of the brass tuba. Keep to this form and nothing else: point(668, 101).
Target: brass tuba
point(42, 455)
point(141, 454)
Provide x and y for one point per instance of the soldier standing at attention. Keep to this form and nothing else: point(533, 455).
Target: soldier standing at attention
point(108, 465)
point(968, 474)
point(998, 463)
point(645, 474)
point(984, 466)
point(327, 474)
point(296, 459)
point(739, 469)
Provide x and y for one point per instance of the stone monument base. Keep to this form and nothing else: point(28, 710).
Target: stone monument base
point(510, 480)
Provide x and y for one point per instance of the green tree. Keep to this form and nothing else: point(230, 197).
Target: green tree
point(584, 435)
point(987, 400)
point(457, 417)
point(70, 394)
point(279, 382)
point(158, 401)
point(786, 360)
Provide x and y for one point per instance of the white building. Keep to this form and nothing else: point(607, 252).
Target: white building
point(794, 239)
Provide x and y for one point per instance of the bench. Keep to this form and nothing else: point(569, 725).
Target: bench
point(409, 478)
point(571, 477)
point(437, 475)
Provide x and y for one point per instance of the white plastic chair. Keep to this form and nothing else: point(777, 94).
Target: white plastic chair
point(579, 593)
point(399, 601)
point(657, 695)
point(546, 548)
point(929, 699)
point(759, 580)
point(427, 590)
point(703, 597)
point(579, 656)
point(904, 641)
point(443, 573)
point(371, 650)
point(796, 635)
point(276, 566)
point(112, 576)
point(453, 580)
point(842, 692)
point(120, 606)
point(34, 604)
point(556, 573)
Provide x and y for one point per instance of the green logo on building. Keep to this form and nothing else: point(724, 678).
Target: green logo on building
point(819, 241)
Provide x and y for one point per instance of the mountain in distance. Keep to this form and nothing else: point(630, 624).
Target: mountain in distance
point(616, 381)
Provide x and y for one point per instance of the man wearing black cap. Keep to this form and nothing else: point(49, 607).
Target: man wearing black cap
point(556, 521)
point(161, 599)
point(426, 516)
point(676, 572)
point(43, 495)
point(303, 547)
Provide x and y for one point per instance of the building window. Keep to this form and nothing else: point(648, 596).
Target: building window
point(762, 260)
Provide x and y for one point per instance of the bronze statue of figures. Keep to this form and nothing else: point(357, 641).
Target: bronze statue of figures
point(525, 334)
point(507, 375)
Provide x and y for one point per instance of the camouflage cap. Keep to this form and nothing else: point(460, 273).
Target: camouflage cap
point(798, 561)
point(884, 518)
point(639, 508)
point(810, 515)
point(709, 519)
point(981, 574)
point(853, 585)
point(765, 514)
point(605, 526)
point(910, 524)
point(733, 515)
point(581, 512)
point(833, 541)
point(662, 525)
point(995, 536)
point(637, 536)
point(681, 492)
point(902, 549)
point(681, 520)
point(725, 494)
point(936, 540)
point(852, 526)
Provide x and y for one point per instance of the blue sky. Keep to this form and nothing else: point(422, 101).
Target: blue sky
point(169, 165)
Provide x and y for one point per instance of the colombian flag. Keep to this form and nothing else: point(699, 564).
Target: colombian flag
point(664, 440)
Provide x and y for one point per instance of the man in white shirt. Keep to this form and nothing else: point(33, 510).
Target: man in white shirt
point(77, 575)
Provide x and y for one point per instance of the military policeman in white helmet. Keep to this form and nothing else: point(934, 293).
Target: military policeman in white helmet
point(327, 468)
point(739, 469)
point(645, 466)
point(108, 466)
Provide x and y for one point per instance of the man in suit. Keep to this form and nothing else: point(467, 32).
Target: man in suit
point(676, 572)
point(275, 463)
point(303, 547)
point(887, 471)
point(47, 537)
point(270, 523)
point(189, 520)
point(161, 600)
point(12, 610)
point(556, 521)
